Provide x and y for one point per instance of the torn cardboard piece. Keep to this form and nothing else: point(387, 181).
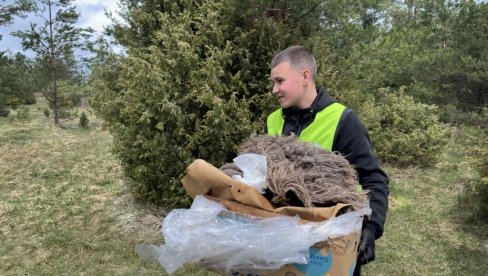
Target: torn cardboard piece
point(203, 178)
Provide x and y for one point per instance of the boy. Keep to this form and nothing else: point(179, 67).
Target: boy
point(310, 113)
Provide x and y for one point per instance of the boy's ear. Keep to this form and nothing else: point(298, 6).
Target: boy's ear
point(307, 76)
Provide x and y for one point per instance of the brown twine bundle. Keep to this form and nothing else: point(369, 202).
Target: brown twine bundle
point(315, 176)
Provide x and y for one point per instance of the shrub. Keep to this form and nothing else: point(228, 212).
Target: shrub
point(84, 120)
point(23, 114)
point(477, 191)
point(67, 113)
point(4, 111)
point(199, 91)
point(70, 95)
point(402, 131)
point(481, 187)
point(46, 112)
point(29, 99)
point(449, 113)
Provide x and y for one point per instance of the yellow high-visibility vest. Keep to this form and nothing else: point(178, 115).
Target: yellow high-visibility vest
point(321, 131)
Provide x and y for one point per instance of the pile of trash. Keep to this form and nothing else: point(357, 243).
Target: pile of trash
point(232, 226)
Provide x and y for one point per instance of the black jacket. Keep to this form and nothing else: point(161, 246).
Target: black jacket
point(351, 140)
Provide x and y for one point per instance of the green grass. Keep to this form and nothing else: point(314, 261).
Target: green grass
point(65, 209)
point(432, 227)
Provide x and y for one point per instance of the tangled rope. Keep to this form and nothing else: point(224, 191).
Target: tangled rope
point(315, 176)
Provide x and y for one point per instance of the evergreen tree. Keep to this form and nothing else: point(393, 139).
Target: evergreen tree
point(56, 37)
point(16, 82)
point(18, 8)
point(194, 88)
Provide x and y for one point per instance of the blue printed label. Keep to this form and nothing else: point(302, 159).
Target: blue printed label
point(318, 264)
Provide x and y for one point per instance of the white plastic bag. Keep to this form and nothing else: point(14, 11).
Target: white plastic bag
point(225, 241)
point(254, 168)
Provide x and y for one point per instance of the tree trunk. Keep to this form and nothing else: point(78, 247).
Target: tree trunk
point(54, 94)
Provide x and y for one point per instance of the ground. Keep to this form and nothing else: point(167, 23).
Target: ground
point(65, 208)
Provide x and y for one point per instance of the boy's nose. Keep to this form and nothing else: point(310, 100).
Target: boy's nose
point(275, 89)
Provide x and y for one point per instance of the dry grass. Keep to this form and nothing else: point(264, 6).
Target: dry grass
point(64, 206)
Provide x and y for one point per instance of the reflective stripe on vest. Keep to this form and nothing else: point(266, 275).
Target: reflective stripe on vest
point(321, 131)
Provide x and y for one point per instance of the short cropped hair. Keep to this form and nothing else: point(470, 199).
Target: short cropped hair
point(299, 57)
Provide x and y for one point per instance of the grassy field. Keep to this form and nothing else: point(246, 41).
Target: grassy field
point(432, 227)
point(65, 209)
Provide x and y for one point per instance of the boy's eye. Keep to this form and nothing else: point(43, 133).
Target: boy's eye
point(277, 81)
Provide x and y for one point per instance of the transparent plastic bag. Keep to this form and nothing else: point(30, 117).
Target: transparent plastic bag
point(224, 241)
point(254, 168)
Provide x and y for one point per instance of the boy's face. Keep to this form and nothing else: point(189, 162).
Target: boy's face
point(287, 85)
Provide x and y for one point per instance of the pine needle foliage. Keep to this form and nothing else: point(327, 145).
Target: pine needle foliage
point(84, 121)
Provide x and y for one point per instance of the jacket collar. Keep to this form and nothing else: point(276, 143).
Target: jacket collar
point(322, 100)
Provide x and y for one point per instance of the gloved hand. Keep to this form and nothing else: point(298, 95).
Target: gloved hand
point(366, 246)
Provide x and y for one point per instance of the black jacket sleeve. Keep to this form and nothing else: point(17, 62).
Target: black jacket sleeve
point(352, 140)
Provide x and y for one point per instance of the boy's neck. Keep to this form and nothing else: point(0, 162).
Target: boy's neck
point(308, 97)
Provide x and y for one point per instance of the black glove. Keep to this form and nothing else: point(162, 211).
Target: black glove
point(366, 246)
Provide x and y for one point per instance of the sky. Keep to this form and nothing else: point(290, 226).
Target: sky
point(91, 15)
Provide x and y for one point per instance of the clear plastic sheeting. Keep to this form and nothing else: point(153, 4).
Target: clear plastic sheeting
point(254, 169)
point(223, 241)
